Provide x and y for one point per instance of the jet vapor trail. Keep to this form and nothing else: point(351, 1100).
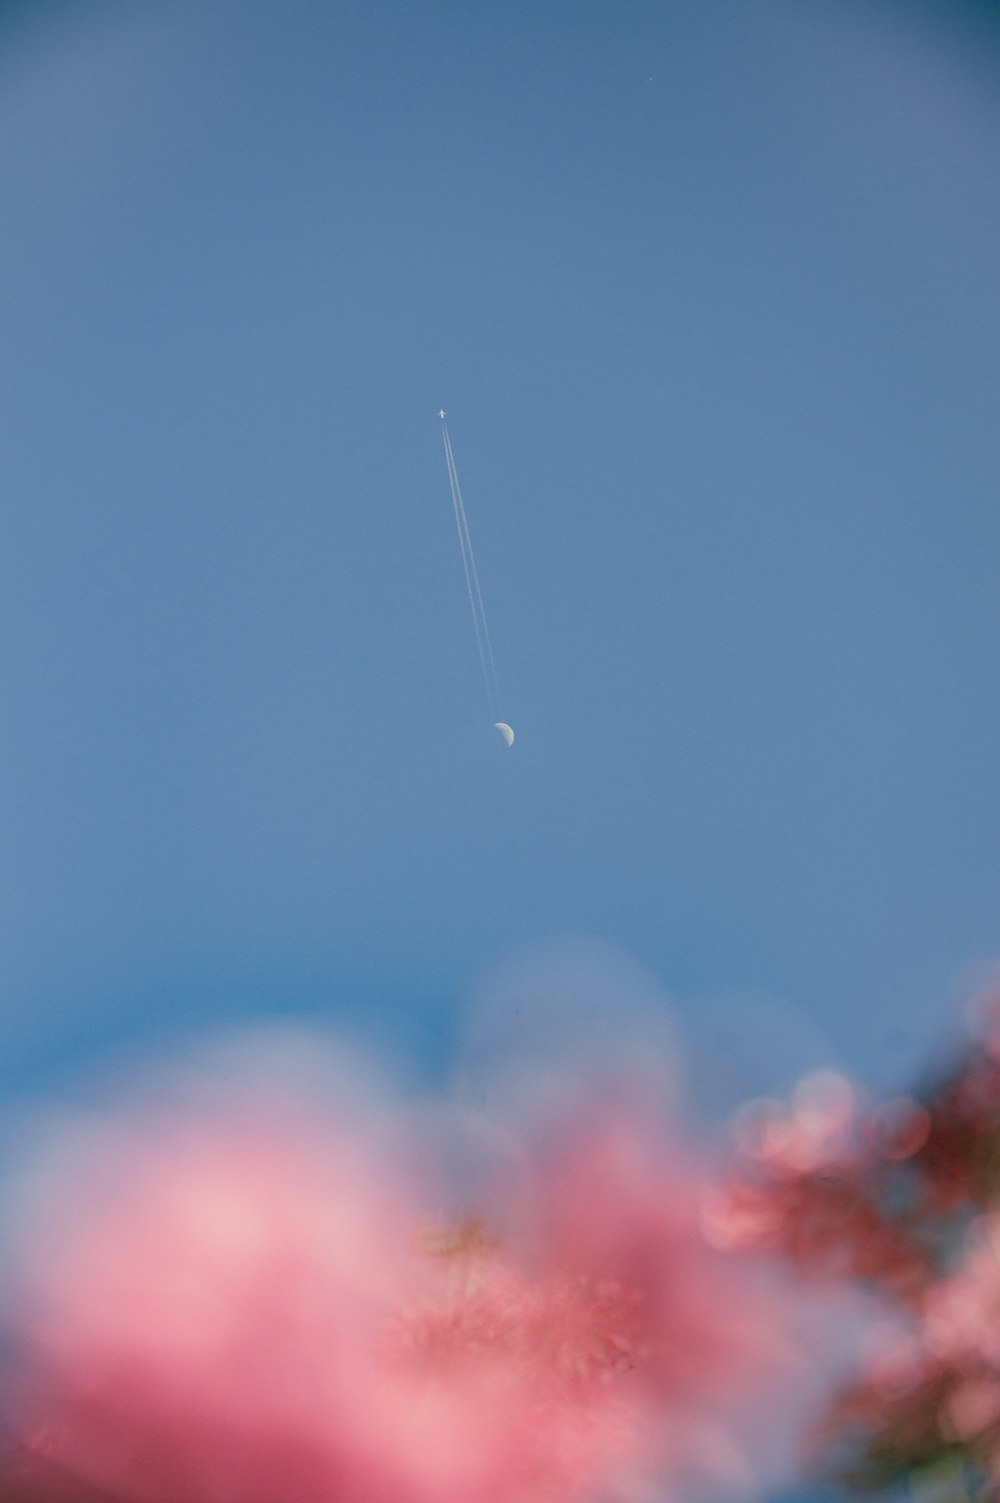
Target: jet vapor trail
point(472, 583)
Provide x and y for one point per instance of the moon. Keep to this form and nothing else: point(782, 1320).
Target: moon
point(505, 731)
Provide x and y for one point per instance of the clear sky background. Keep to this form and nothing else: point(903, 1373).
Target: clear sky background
point(710, 292)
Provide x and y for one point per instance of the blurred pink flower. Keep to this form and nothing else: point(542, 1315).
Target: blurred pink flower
point(699, 1340)
point(809, 1182)
point(961, 1313)
point(203, 1325)
point(251, 1306)
point(930, 1378)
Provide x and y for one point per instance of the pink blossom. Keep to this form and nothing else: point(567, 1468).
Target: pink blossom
point(810, 1182)
point(616, 1207)
point(253, 1304)
point(974, 1406)
point(961, 1313)
point(932, 1378)
point(203, 1326)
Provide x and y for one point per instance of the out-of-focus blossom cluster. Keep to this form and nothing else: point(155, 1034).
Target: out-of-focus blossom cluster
point(902, 1198)
point(257, 1284)
point(266, 1298)
point(829, 1181)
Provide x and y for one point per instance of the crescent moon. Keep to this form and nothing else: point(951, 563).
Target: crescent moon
point(505, 731)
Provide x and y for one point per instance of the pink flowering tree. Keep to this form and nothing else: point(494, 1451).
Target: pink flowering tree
point(271, 1300)
point(258, 1295)
point(902, 1199)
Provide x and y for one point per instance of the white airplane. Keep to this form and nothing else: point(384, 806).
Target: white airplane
point(441, 413)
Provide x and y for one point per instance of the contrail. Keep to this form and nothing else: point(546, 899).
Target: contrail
point(482, 631)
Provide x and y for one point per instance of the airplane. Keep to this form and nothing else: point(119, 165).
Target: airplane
point(441, 413)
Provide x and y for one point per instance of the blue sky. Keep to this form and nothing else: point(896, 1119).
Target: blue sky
point(709, 292)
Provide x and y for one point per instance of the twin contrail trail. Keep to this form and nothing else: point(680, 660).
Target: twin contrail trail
point(476, 605)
